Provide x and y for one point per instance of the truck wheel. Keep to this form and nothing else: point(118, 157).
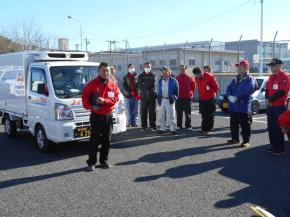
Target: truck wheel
point(42, 142)
point(10, 126)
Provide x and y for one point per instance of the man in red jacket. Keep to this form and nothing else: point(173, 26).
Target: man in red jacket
point(100, 97)
point(183, 103)
point(207, 89)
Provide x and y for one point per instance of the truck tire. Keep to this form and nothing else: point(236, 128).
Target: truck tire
point(9, 126)
point(42, 142)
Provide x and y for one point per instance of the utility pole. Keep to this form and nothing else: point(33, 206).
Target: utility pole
point(144, 54)
point(209, 53)
point(126, 47)
point(110, 42)
point(163, 54)
point(184, 52)
point(239, 48)
point(81, 29)
point(87, 42)
point(261, 43)
point(274, 44)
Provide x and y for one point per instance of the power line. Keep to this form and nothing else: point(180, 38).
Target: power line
point(195, 24)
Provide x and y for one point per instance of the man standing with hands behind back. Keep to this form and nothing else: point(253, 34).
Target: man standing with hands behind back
point(100, 97)
point(276, 94)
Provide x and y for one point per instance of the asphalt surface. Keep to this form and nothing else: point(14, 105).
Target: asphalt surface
point(183, 175)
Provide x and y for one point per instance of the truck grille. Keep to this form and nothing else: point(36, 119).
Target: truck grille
point(81, 114)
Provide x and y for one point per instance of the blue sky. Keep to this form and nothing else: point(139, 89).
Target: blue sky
point(150, 22)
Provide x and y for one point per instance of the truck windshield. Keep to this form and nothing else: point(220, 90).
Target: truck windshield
point(69, 81)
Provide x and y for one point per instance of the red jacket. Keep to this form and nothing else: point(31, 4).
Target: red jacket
point(207, 86)
point(109, 92)
point(284, 119)
point(186, 86)
point(279, 81)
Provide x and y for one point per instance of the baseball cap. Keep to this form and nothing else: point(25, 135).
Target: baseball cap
point(243, 63)
point(165, 68)
point(275, 62)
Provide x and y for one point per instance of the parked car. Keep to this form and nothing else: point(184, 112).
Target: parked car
point(258, 103)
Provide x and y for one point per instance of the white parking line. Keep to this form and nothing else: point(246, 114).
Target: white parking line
point(260, 117)
point(254, 120)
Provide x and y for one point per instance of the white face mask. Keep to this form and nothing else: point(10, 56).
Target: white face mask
point(131, 70)
point(147, 70)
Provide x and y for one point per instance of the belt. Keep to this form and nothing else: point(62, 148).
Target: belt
point(165, 97)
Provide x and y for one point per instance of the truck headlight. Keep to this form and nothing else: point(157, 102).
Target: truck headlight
point(62, 112)
point(120, 107)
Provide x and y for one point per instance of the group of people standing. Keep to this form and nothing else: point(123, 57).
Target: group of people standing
point(175, 96)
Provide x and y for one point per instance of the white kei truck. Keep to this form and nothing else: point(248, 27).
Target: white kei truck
point(40, 91)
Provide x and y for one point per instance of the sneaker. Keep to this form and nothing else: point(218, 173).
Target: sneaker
point(233, 141)
point(172, 132)
point(278, 153)
point(161, 131)
point(178, 128)
point(189, 128)
point(134, 125)
point(208, 133)
point(153, 129)
point(90, 168)
point(245, 145)
point(105, 165)
point(128, 125)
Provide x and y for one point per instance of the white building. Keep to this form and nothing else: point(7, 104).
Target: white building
point(63, 44)
point(220, 60)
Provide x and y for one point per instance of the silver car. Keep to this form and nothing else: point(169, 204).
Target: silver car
point(259, 102)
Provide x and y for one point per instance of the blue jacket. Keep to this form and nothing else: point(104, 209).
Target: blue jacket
point(243, 92)
point(173, 90)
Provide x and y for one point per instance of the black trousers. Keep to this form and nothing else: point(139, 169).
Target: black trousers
point(148, 106)
point(207, 109)
point(101, 132)
point(183, 105)
point(244, 120)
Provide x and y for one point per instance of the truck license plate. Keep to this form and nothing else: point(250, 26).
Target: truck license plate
point(82, 132)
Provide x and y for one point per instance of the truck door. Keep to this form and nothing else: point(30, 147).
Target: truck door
point(38, 105)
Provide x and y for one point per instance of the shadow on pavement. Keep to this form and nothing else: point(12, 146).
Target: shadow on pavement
point(267, 176)
point(161, 157)
point(22, 152)
point(21, 181)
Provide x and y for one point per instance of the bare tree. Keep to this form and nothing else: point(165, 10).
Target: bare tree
point(28, 34)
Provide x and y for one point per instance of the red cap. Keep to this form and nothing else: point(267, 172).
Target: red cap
point(244, 63)
point(284, 119)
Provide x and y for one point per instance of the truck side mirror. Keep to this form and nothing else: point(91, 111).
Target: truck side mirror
point(42, 89)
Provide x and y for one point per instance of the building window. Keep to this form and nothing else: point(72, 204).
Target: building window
point(217, 62)
point(152, 63)
point(191, 62)
point(141, 67)
point(161, 62)
point(172, 62)
point(119, 68)
point(226, 63)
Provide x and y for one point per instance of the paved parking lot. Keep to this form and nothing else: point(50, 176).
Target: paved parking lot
point(183, 175)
